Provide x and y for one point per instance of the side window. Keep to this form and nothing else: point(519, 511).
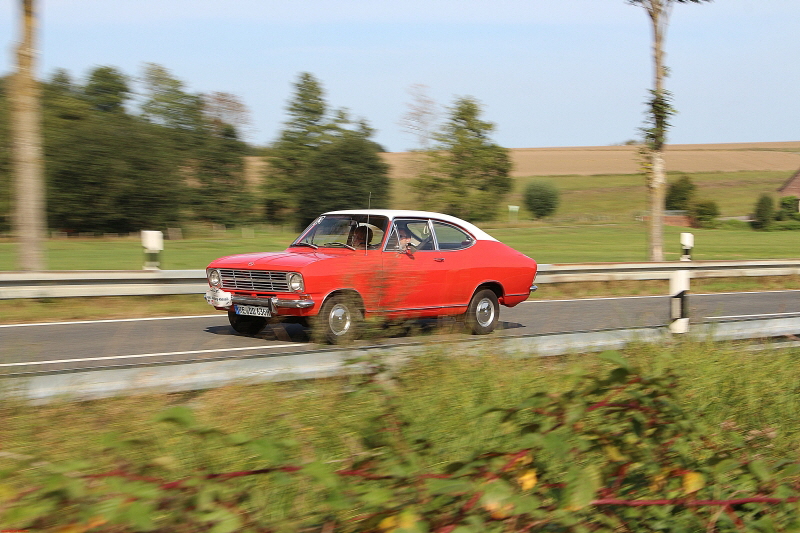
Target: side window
point(451, 237)
point(414, 232)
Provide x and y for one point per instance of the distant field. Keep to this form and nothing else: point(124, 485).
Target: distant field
point(591, 160)
point(606, 181)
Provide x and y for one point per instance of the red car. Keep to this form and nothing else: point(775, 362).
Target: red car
point(348, 265)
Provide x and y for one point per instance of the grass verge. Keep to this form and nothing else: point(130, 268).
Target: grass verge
point(443, 398)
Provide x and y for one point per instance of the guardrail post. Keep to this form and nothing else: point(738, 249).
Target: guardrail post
point(679, 301)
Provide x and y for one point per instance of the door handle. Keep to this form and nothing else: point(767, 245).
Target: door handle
point(439, 259)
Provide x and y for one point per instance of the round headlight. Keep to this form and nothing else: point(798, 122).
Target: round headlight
point(295, 282)
point(214, 278)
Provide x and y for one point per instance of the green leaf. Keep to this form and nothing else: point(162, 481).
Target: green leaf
point(266, 449)
point(760, 469)
point(582, 485)
point(180, 415)
point(725, 466)
point(228, 523)
point(323, 473)
point(613, 356)
point(377, 496)
point(138, 515)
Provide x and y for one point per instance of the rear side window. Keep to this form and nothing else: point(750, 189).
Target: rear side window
point(450, 237)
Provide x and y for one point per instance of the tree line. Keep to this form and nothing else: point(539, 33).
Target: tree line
point(119, 160)
point(113, 166)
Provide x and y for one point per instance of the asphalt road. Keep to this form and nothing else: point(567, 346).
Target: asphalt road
point(81, 345)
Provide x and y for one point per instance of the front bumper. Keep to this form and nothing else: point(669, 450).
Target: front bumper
point(220, 298)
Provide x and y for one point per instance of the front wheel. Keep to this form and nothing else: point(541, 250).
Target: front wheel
point(339, 320)
point(246, 325)
point(483, 312)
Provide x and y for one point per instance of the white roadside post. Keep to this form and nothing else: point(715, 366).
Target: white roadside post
point(153, 243)
point(679, 289)
point(513, 213)
point(687, 243)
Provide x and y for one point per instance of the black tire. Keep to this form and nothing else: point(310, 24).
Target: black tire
point(246, 325)
point(482, 313)
point(339, 320)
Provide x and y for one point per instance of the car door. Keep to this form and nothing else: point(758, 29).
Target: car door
point(414, 278)
point(457, 256)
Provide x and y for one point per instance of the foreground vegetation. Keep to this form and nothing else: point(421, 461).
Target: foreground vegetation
point(445, 443)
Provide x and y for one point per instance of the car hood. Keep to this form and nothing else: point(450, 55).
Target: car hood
point(286, 260)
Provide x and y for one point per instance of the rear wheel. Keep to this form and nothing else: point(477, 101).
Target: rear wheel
point(246, 325)
point(339, 320)
point(483, 312)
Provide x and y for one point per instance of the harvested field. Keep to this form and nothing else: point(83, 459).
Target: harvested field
point(587, 161)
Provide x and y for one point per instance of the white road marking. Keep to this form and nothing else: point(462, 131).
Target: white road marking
point(604, 298)
point(761, 314)
point(112, 357)
point(106, 321)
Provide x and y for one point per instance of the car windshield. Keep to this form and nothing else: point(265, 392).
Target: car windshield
point(344, 231)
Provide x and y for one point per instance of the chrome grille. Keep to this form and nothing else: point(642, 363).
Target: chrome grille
point(254, 280)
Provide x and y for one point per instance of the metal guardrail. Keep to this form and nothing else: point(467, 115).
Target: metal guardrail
point(83, 283)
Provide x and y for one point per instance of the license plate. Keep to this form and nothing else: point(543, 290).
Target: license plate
point(252, 310)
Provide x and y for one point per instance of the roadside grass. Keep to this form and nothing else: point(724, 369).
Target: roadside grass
point(545, 242)
point(442, 396)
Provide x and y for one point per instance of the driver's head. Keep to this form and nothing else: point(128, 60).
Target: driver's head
point(362, 235)
point(403, 234)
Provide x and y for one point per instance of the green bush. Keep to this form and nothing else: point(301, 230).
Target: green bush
point(680, 194)
point(541, 198)
point(787, 209)
point(704, 213)
point(764, 213)
point(786, 225)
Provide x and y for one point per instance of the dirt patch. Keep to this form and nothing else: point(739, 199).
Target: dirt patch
point(586, 161)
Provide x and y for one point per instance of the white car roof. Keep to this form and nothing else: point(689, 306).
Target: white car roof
point(407, 213)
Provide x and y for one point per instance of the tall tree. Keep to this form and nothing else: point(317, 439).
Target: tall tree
point(225, 109)
point(468, 175)
point(345, 174)
point(658, 11)
point(29, 216)
point(222, 197)
point(107, 90)
point(309, 127)
point(168, 104)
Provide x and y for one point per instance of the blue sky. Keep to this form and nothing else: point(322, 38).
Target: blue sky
point(547, 72)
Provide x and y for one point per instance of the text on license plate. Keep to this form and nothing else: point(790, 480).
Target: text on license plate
point(252, 310)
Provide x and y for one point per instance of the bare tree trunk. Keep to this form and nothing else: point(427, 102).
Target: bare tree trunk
point(658, 10)
point(29, 214)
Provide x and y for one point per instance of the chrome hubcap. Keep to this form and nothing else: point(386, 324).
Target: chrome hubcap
point(339, 319)
point(484, 312)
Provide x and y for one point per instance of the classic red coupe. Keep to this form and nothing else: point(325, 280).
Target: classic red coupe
point(348, 265)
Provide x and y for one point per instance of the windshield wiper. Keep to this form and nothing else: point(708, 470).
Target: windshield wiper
point(314, 246)
point(335, 244)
